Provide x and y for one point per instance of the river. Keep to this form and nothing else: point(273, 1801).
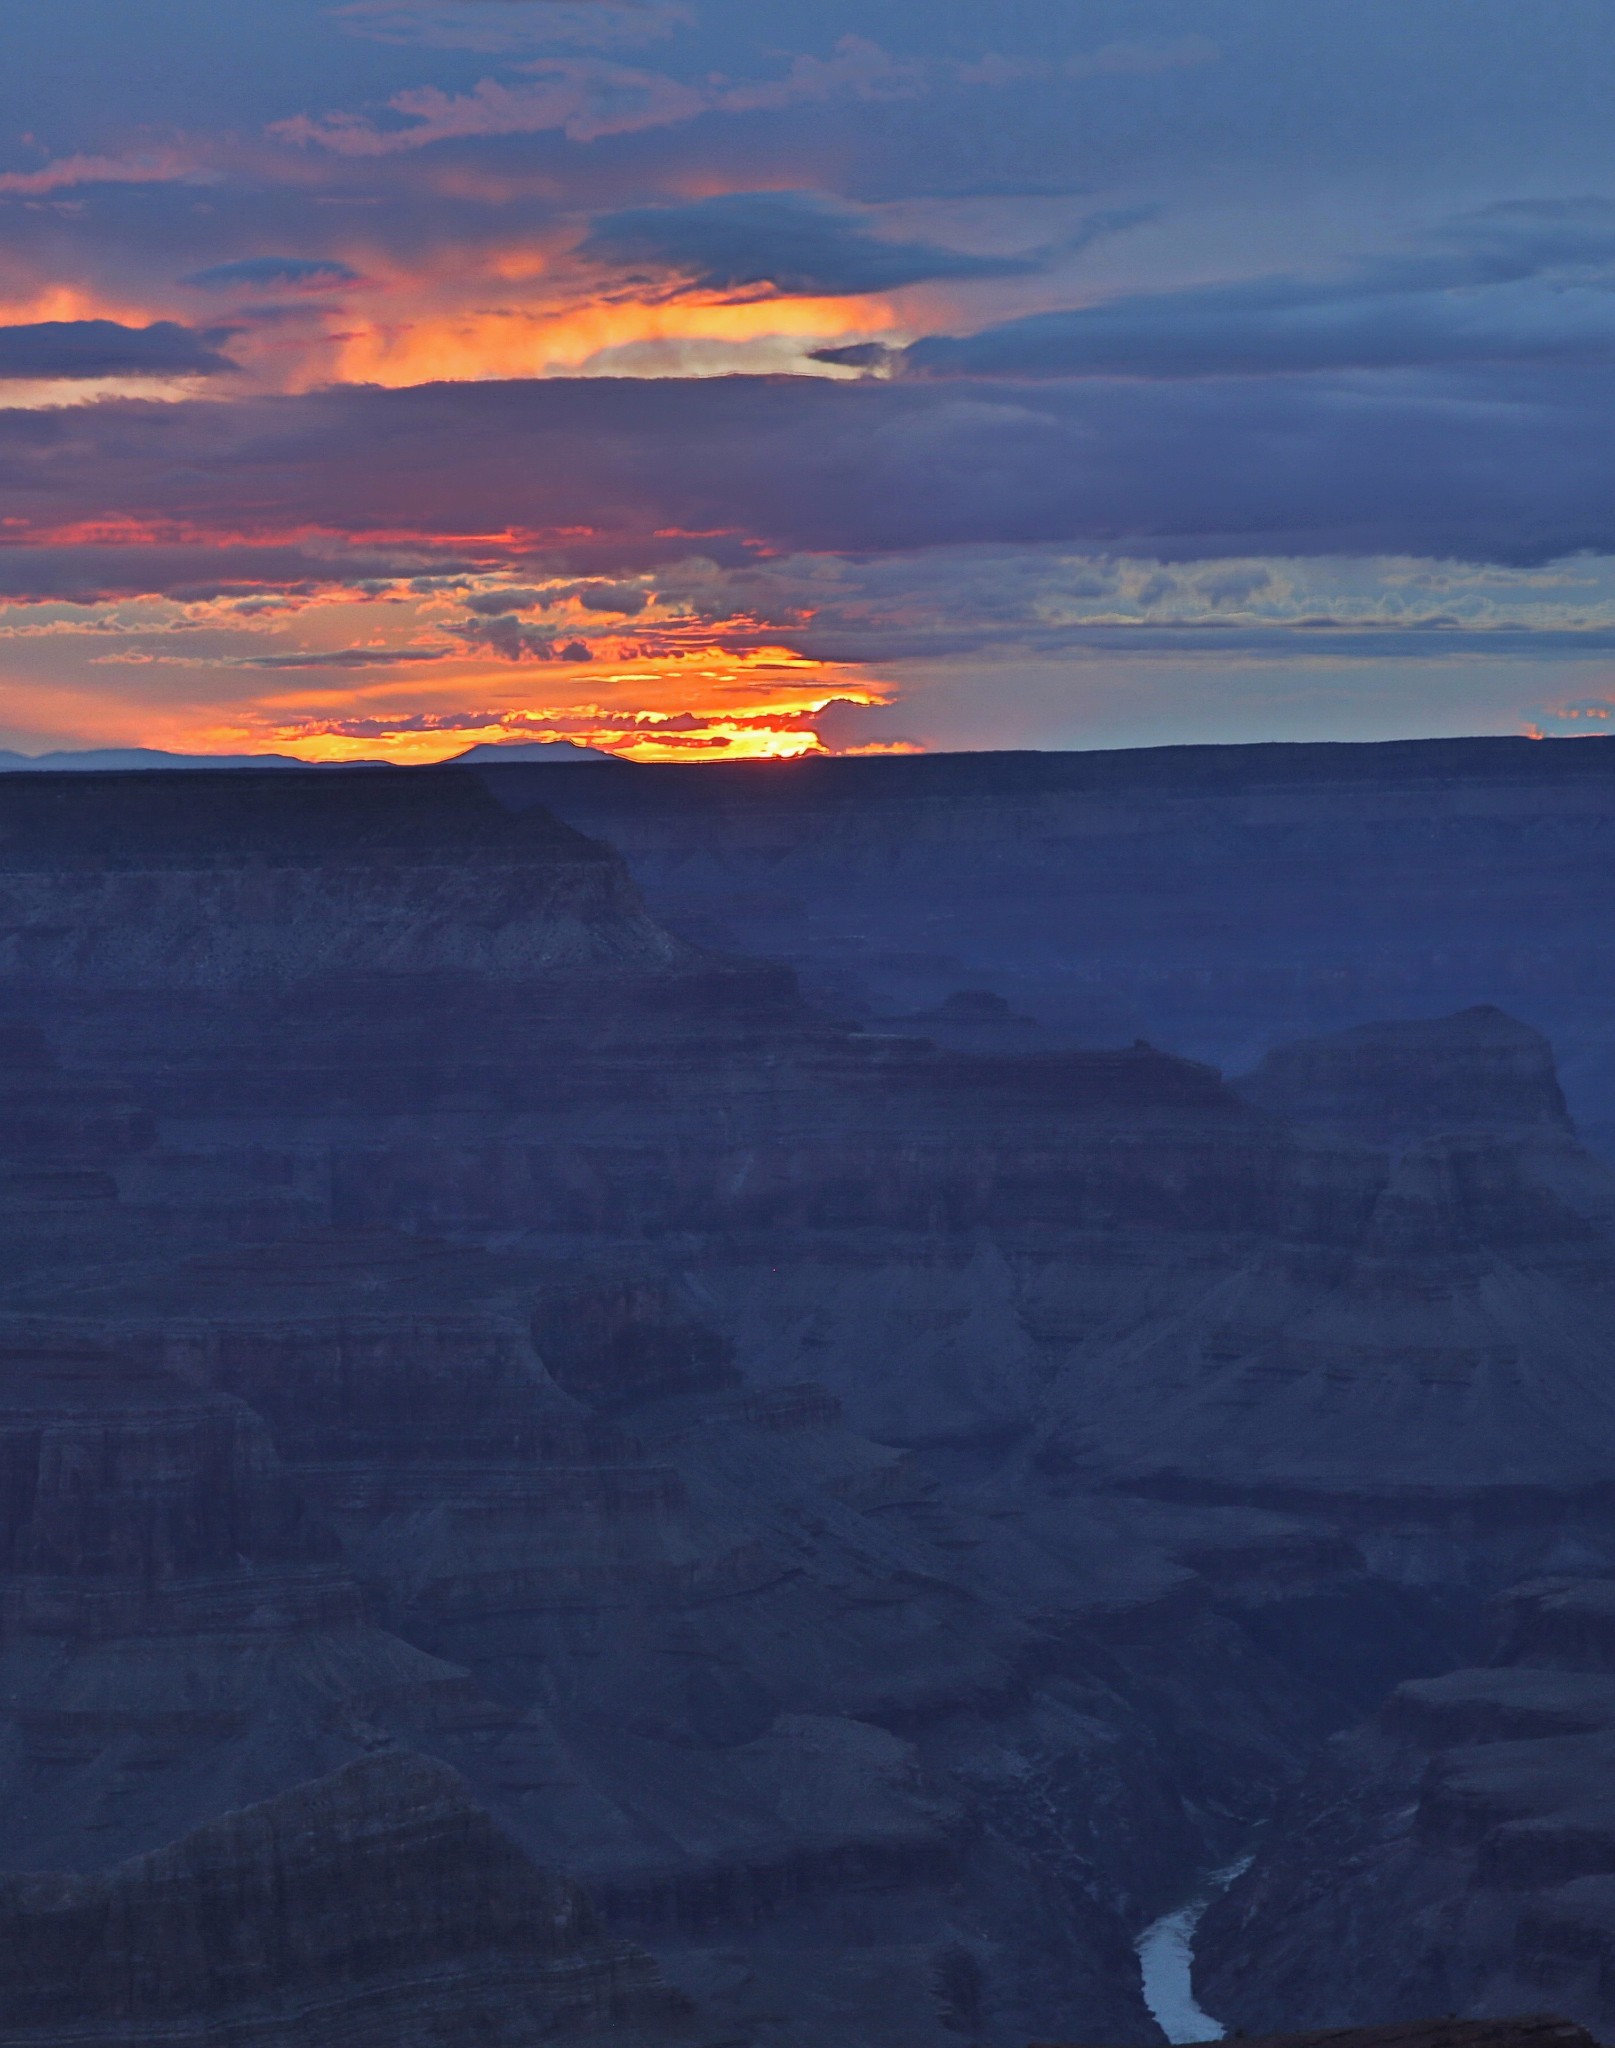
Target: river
point(1166, 1955)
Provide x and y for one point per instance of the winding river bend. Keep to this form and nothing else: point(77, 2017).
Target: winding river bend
point(1166, 1958)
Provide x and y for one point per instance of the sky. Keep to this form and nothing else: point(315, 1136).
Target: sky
point(704, 379)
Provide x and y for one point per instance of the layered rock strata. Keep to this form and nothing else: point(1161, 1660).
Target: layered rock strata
point(1478, 1070)
point(375, 1908)
point(242, 882)
point(177, 1632)
point(1220, 900)
point(1458, 1853)
point(881, 1515)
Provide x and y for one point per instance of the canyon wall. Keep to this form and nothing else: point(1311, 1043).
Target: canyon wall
point(1218, 900)
point(880, 1508)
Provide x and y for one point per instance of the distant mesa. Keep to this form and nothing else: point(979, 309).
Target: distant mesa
point(1479, 1068)
point(259, 880)
point(971, 1006)
point(147, 757)
point(67, 759)
point(974, 1020)
point(504, 753)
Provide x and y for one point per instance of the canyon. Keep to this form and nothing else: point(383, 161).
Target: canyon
point(714, 1441)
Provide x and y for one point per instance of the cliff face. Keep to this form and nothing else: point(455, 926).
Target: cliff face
point(1454, 1854)
point(244, 883)
point(1478, 1070)
point(376, 1906)
point(1416, 1336)
point(178, 1633)
point(1219, 900)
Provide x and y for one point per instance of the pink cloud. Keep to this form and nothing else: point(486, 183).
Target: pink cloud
point(163, 167)
point(585, 98)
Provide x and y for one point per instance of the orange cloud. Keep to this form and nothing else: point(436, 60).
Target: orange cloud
point(158, 167)
point(752, 704)
point(713, 703)
point(526, 342)
point(586, 98)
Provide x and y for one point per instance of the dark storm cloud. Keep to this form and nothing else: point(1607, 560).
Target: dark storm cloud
point(1275, 327)
point(1522, 282)
point(343, 657)
point(620, 599)
point(104, 348)
point(794, 241)
point(89, 573)
point(1344, 639)
point(512, 641)
point(614, 475)
point(272, 272)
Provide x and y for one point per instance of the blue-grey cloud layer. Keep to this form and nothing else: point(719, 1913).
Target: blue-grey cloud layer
point(53, 349)
point(1521, 283)
point(259, 272)
point(1489, 466)
point(794, 241)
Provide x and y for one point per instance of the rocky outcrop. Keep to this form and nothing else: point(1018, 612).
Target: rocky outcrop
point(178, 1632)
point(1433, 1357)
point(1567, 1625)
point(1455, 1854)
point(259, 880)
point(132, 1504)
point(375, 1908)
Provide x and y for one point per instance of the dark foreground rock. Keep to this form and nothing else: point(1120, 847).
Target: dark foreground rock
point(1531, 2031)
point(377, 1908)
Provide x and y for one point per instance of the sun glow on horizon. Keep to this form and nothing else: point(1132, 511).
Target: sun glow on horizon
point(721, 740)
point(727, 705)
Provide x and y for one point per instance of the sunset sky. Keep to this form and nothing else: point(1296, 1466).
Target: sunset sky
point(704, 378)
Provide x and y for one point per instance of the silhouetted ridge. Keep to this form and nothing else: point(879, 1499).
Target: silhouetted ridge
point(1217, 899)
point(233, 881)
point(859, 779)
point(279, 817)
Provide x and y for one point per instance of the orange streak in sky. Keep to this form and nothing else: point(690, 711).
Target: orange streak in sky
point(715, 703)
point(728, 704)
point(519, 343)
